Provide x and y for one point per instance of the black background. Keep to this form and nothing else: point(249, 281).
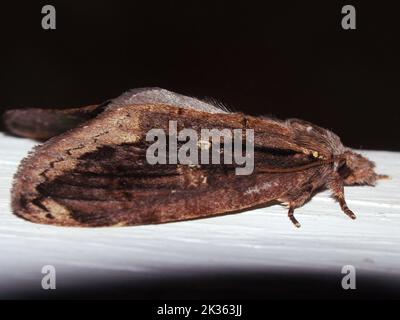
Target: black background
point(271, 58)
point(282, 59)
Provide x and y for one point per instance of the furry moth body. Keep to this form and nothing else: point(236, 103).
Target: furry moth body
point(96, 173)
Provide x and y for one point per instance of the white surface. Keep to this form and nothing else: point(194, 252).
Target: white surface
point(254, 240)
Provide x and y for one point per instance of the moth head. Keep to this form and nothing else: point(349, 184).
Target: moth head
point(356, 169)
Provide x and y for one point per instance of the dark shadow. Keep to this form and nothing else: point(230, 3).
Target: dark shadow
point(224, 285)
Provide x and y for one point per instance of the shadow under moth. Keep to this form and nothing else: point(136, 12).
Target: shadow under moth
point(93, 170)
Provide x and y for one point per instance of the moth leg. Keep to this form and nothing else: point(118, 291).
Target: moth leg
point(292, 218)
point(296, 198)
point(346, 209)
point(343, 205)
point(337, 188)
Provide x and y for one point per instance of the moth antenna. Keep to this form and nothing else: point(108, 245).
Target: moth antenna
point(292, 218)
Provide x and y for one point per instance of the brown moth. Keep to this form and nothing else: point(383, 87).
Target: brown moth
point(94, 172)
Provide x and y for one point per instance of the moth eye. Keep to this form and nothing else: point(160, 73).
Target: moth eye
point(344, 170)
point(339, 165)
point(315, 154)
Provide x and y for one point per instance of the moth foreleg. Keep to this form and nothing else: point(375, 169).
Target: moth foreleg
point(345, 208)
point(343, 205)
point(337, 188)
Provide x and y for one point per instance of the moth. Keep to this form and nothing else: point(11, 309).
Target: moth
point(93, 171)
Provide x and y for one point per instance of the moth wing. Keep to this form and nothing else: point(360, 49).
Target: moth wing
point(42, 124)
point(156, 95)
point(98, 174)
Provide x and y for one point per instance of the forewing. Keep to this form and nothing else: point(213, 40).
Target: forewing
point(98, 175)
